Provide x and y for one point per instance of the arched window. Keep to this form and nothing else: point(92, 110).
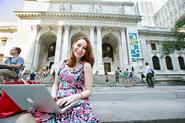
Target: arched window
point(156, 63)
point(181, 63)
point(169, 63)
point(107, 51)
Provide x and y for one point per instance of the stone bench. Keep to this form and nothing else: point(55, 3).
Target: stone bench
point(10, 119)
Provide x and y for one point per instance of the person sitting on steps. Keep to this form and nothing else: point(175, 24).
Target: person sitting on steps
point(12, 65)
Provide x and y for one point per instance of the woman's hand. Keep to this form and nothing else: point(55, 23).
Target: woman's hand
point(62, 102)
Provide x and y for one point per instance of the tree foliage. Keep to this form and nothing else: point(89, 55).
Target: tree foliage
point(178, 43)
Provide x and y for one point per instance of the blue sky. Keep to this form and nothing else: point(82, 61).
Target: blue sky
point(7, 7)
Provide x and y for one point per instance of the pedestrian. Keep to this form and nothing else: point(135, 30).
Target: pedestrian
point(124, 76)
point(132, 69)
point(74, 82)
point(117, 76)
point(130, 78)
point(106, 77)
point(149, 75)
point(32, 76)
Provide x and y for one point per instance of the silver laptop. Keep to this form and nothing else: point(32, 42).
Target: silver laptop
point(32, 97)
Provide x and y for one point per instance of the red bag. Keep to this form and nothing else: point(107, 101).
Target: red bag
point(7, 106)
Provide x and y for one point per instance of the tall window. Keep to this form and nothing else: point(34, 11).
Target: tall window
point(181, 63)
point(153, 46)
point(169, 63)
point(107, 51)
point(156, 63)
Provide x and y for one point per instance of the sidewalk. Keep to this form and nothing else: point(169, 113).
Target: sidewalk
point(162, 104)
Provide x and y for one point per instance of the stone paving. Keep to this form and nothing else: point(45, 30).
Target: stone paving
point(137, 104)
point(162, 104)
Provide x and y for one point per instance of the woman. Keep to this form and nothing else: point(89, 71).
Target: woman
point(74, 83)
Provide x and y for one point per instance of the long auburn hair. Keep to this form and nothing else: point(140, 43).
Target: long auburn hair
point(88, 57)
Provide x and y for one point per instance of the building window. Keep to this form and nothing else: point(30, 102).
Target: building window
point(169, 63)
point(156, 63)
point(107, 51)
point(3, 42)
point(153, 46)
point(181, 63)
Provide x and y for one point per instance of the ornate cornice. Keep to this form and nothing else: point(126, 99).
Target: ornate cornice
point(86, 1)
point(154, 32)
point(8, 29)
point(72, 15)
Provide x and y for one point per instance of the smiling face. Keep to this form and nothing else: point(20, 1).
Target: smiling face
point(79, 48)
point(81, 51)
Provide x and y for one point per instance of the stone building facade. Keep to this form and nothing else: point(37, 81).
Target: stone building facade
point(47, 28)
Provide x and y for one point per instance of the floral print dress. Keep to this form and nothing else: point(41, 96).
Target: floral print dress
point(70, 82)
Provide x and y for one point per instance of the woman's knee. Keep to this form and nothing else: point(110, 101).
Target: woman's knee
point(26, 118)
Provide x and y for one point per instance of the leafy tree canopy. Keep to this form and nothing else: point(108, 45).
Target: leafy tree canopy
point(178, 43)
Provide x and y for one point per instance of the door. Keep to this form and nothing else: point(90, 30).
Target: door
point(107, 67)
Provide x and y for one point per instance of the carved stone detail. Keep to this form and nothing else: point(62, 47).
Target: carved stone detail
point(122, 9)
point(65, 7)
point(50, 28)
point(36, 27)
point(95, 8)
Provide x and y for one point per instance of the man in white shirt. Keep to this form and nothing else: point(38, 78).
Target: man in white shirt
point(149, 75)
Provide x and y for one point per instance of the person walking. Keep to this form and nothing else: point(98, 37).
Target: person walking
point(149, 75)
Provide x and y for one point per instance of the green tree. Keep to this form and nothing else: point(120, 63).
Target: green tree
point(178, 43)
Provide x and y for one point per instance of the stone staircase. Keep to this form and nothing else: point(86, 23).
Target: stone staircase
point(100, 81)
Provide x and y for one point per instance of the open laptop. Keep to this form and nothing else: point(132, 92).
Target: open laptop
point(32, 97)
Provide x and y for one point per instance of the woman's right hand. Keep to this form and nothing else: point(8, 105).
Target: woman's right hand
point(62, 102)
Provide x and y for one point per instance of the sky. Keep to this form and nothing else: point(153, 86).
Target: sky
point(8, 6)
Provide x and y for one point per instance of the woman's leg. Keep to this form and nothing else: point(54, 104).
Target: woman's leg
point(26, 118)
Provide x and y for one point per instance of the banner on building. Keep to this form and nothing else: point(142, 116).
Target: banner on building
point(134, 46)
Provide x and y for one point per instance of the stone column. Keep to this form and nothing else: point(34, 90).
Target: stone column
point(92, 36)
point(163, 64)
point(58, 46)
point(175, 62)
point(100, 66)
point(65, 43)
point(35, 45)
point(124, 49)
point(92, 43)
